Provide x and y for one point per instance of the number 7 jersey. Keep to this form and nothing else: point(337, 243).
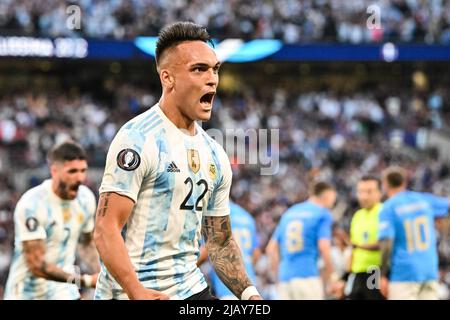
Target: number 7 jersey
point(174, 180)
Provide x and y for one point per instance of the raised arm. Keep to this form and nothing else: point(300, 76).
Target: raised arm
point(225, 256)
point(112, 213)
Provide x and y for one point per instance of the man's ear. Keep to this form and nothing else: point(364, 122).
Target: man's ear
point(54, 170)
point(166, 78)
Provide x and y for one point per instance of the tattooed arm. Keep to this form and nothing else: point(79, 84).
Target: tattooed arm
point(386, 256)
point(386, 253)
point(88, 252)
point(34, 251)
point(112, 213)
point(225, 255)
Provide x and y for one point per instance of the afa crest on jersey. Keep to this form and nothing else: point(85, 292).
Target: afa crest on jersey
point(212, 171)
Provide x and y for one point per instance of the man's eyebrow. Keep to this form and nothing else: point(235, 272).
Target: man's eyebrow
point(205, 65)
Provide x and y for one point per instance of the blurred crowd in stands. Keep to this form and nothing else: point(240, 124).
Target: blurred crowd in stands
point(322, 135)
point(358, 21)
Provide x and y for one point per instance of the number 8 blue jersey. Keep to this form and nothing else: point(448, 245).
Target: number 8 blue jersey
point(300, 227)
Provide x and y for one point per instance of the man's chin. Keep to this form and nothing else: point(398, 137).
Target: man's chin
point(204, 115)
point(71, 195)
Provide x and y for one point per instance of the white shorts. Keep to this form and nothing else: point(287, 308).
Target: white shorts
point(301, 289)
point(413, 290)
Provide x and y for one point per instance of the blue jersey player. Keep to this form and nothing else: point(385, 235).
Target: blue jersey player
point(408, 239)
point(303, 232)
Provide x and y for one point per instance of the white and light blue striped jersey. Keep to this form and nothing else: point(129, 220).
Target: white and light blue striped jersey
point(175, 180)
point(41, 214)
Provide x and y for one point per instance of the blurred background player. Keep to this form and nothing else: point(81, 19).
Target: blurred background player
point(244, 231)
point(364, 237)
point(49, 221)
point(341, 251)
point(408, 239)
point(303, 233)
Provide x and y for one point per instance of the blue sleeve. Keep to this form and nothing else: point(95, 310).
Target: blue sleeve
point(276, 236)
point(386, 224)
point(325, 226)
point(255, 238)
point(439, 205)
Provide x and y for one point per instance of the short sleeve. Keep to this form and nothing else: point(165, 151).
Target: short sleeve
point(276, 236)
point(29, 221)
point(219, 202)
point(127, 164)
point(91, 205)
point(439, 205)
point(386, 224)
point(255, 238)
point(325, 226)
point(353, 237)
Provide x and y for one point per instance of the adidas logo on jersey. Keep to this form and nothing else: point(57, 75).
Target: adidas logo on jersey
point(172, 167)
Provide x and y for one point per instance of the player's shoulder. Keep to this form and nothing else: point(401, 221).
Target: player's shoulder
point(141, 126)
point(213, 144)
point(86, 192)
point(37, 192)
point(34, 196)
point(240, 212)
point(358, 213)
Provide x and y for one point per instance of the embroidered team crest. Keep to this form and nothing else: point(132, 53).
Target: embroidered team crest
point(193, 160)
point(212, 171)
point(128, 159)
point(80, 218)
point(66, 215)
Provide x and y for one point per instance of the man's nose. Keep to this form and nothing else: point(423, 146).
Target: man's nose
point(80, 177)
point(213, 78)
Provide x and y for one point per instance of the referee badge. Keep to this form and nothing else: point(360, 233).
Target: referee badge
point(128, 159)
point(193, 160)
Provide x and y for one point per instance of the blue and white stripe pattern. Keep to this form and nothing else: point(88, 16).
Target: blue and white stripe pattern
point(164, 229)
point(59, 224)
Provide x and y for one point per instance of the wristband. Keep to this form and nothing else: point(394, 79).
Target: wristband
point(87, 280)
point(248, 292)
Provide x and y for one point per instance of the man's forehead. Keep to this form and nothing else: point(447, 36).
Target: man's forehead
point(190, 52)
point(74, 164)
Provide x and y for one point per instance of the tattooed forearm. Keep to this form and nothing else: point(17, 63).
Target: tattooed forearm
point(52, 272)
point(225, 254)
point(386, 253)
point(103, 204)
point(34, 251)
point(88, 253)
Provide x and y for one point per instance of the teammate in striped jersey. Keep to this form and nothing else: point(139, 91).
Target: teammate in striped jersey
point(49, 221)
point(165, 182)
